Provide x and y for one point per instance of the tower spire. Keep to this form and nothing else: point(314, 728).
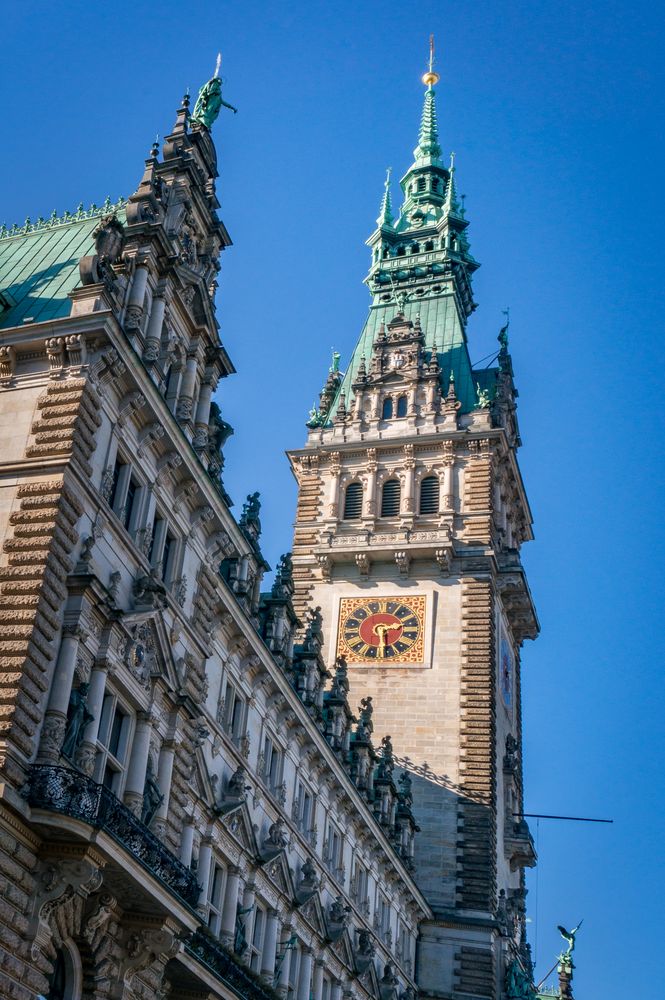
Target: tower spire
point(451, 204)
point(428, 137)
point(386, 211)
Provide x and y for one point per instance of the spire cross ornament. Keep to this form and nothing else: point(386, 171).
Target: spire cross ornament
point(431, 77)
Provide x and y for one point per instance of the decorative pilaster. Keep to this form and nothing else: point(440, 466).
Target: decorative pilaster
point(55, 721)
point(230, 906)
point(138, 764)
point(268, 955)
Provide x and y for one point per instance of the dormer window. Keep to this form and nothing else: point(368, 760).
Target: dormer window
point(401, 406)
point(387, 410)
point(353, 502)
point(390, 498)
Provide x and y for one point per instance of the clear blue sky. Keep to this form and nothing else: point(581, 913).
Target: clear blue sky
point(555, 112)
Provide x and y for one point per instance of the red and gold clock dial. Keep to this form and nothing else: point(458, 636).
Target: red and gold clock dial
point(387, 629)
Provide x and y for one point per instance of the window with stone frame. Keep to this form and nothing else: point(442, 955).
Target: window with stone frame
point(163, 549)
point(391, 498)
point(404, 949)
point(303, 808)
point(360, 887)
point(402, 406)
point(429, 495)
point(382, 917)
point(387, 409)
point(353, 502)
point(113, 744)
point(334, 851)
point(216, 889)
point(256, 943)
point(233, 713)
point(272, 764)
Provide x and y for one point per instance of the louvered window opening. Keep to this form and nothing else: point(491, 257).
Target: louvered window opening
point(353, 501)
point(429, 495)
point(390, 499)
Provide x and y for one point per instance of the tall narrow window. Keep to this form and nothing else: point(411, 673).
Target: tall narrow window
point(387, 411)
point(401, 406)
point(353, 501)
point(113, 744)
point(256, 946)
point(129, 503)
point(390, 498)
point(429, 495)
point(421, 183)
point(216, 897)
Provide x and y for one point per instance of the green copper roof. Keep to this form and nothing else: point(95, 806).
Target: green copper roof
point(428, 138)
point(441, 326)
point(39, 265)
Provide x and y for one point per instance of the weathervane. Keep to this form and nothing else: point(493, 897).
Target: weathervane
point(431, 77)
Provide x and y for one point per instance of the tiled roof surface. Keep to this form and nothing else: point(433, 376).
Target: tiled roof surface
point(39, 266)
point(441, 325)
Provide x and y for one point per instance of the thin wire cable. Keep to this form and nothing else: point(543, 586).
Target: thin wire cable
point(535, 936)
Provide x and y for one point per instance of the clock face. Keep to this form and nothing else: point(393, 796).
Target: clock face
point(384, 630)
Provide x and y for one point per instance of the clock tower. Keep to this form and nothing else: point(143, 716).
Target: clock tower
point(410, 521)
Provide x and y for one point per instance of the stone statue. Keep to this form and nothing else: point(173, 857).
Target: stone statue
point(236, 788)
point(569, 936)
point(240, 941)
point(308, 877)
point(365, 951)
point(338, 912)
point(389, 983)
point(152, 797)
point(518, 986)
point(78, 717)
point(209, 103)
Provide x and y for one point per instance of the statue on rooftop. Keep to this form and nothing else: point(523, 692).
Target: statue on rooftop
point(569, 936)
point(209, 102)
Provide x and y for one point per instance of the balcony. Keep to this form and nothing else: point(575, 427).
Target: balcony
point(209, 952)
point(70, 793)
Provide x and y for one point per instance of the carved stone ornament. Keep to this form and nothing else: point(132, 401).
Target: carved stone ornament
point(57, 882)
point(7, 364)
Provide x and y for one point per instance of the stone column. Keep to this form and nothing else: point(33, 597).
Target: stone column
point(55, 720)
point(336, 991)
point(203, 871)
point(85, 758)
point(153, 337)
point(138, 763)
point(305, 975)
point(408, 504)
point(370, 499)
point(268, 955)
point(317, 981)
point(285, 962)
point(203, 412)
point(230, 907)
point(187, 844)
point(164, 774)
point(248, 899)
point(134, 310)
point(186, 398)
point(448, 494)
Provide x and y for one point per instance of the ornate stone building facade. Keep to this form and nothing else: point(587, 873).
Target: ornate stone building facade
point(191, 806)
point(410, 521)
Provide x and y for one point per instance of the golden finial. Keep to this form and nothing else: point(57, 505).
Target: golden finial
point(430, 77)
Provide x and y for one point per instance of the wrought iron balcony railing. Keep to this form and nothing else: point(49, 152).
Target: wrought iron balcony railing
point(62, 790)
point(205, 949)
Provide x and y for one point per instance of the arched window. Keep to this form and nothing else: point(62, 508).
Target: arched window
point(421, 183)
point(415, 248)
point(353, 501)
point(429, 495)
point(387, 411)
point(400, 251)
point(390, 498)
point(401, 406)
point(429, 246)
point(65, 979)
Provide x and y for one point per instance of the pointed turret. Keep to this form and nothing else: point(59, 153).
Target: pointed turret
point(428, 147)
point(386, 211)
